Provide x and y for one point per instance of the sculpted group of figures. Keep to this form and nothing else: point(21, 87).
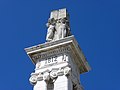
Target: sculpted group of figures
point(57, 29)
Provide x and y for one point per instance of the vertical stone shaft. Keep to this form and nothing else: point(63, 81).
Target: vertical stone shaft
point(59, 61)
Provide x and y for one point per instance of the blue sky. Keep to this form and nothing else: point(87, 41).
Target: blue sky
point(95, 24)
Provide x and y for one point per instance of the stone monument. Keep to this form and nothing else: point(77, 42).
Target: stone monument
point(58, 25)
point(59, 61)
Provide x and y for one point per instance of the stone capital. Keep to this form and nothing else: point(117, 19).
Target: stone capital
point(33, 78)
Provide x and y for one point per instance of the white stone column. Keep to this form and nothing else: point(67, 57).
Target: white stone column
point(58, 65)
point(40, 85)
point(63, 83)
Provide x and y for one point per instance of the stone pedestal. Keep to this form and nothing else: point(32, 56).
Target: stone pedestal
point(58, 65)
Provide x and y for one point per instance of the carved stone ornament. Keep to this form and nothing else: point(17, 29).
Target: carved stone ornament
point(46, 76)
point(38, 65)
point(50, 74)
point(60, 50)
point(67, 71)
point(40, 77)
point(53, 74)
point(33, 79)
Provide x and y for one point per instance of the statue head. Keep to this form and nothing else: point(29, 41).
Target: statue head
point(51, 21)
point(63, 20)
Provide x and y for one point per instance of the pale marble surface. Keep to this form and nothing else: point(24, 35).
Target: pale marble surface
point(59, 61)
point(56, 61)
point(58, 25)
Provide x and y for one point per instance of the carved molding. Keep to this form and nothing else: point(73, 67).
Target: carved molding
point(33, 78)
point(56, 51)
point(50, 74)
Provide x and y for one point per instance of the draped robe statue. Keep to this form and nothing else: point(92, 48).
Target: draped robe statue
point(57, 29)
point(58, 25)
point(51, 30)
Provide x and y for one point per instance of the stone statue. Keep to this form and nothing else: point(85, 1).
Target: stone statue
point(51, 29)
point(62, 29)
point(58, 27)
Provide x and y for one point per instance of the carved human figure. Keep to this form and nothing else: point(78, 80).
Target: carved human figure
point(62, 28)
point(57, 29)
point(51, 29)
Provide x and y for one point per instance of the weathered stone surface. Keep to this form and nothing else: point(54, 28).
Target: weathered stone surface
point(58, 25)
point(61, 58)
point(59, 61)
point(51, 53)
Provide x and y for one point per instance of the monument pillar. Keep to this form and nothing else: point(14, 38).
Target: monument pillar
point(59, 61)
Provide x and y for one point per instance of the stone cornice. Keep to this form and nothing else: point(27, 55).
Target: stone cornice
point(52, 52)
point(47, 44)
point(66, 45)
